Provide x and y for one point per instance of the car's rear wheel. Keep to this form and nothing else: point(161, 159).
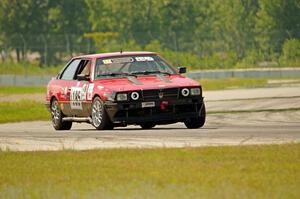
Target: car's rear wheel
point(100, 119)
point(57, 116)
point(194, 123)
point(147, 125)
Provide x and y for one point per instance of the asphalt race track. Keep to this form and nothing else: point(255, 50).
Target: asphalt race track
point(237, 117)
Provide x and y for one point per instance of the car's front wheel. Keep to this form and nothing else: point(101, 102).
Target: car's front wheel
point(57, 115)
point(100, 118)
point(194, 123)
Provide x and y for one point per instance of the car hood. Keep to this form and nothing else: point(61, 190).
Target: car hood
point(131, 83)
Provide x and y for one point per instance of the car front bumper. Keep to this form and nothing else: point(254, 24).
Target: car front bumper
point(177, 110)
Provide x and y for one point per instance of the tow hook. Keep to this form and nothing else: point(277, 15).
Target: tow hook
point(163, 105)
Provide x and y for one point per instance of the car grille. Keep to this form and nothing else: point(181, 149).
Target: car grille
point(166, 93)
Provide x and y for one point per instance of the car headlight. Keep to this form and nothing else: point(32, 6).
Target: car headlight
point(122, 97)
point(135, 95)
point(195, 91)
point(185, 92)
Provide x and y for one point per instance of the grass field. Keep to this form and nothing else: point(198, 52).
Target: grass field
point(211, 172)
point(28, 69)
point(229, 83)
point(23, 110)
point(22, 89)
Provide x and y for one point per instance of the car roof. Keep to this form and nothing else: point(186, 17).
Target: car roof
point(115, 54)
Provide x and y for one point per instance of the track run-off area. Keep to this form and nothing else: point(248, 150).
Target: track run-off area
point(235, 117)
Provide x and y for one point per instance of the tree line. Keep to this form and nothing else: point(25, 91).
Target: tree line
point(197, 33)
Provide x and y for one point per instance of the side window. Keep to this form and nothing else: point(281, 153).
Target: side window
point(85, 68)
point(69, 72)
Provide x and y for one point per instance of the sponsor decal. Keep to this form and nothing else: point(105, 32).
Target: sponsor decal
point(90, 92)
point(107, 61)
point(144, 59)
point(118, 60)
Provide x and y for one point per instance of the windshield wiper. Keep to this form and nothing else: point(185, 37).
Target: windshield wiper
point(115, 74)
point(151, 72)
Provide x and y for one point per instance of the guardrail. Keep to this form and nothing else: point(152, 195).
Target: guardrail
point(24, 80)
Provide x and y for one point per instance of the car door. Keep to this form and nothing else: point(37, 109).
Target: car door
point(65, 82)
point(78, 92)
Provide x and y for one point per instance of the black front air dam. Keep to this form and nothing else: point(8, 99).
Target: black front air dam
point(177, 110)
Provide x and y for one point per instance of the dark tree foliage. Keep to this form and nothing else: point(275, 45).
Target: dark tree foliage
point(202, 32)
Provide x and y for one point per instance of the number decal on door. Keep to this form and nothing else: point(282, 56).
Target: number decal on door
point(77, 96)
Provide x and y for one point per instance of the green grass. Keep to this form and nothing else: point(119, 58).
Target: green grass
point(28, 69)
point(270, 171)
point(23, 110)
point(227, 83)
point(22, 89)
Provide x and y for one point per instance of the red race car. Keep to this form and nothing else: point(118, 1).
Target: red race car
point(118, 89)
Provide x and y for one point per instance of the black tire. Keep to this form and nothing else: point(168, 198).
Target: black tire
point(194, 123)
point(57, 115)
point(100, 119)
point(147, 125)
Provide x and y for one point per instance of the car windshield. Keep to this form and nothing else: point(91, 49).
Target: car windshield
point(132, 66)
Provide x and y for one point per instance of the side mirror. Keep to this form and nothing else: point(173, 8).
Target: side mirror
point(83, 77)
point(181, 69)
